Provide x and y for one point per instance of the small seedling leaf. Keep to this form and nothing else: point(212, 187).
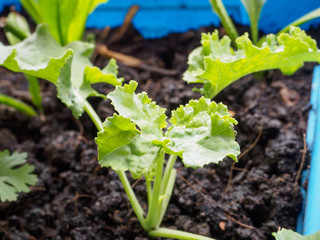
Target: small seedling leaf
point(203, 131)
point(126, 141)
point(285, 234)
point(15, 175)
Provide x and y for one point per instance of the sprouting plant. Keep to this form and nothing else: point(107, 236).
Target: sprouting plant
point(216, 64)
point(17, 29)
point(201, 132)
point(68, 67)
point(15, 175)
point(254, 8)
point(285, 234)
point(66, 19)
point(133, 140)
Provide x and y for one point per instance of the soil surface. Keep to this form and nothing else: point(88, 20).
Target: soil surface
point(76, 199)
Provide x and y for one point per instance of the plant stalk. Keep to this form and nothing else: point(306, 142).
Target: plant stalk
point(149, 190)
point(93, 115)
point(152, 216)
point(166, 197)
point(124, 180)
point(15, 31)
point(167, 172)
point(171, 233)
point(226, 21)
point(133, 199)
point(17, 104)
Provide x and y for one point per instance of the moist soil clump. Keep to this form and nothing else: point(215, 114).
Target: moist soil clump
point(76, 199)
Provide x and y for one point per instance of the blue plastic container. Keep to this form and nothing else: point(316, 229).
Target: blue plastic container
point(157, 18)
point(309, 219)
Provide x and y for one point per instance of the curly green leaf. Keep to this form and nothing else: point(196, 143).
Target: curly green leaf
point(216, 64)
point(203, 131)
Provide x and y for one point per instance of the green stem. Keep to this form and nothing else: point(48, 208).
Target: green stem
point(34, 90)
point(167, 172)
point(167, 185)
point(59, 27)
point(152, 211)
point(254, 31)
point(170, 233)
point(133, 199)
point(149, 191)
point(166, 197)
point(123, 178)
point(93, 115)
point(33, 10)
point(17, 104)
point(226, 21)
point(15, 31)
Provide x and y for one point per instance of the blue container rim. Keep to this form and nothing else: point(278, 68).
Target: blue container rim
point(310, 218)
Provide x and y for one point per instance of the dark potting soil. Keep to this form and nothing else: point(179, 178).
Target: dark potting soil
point(76, 199)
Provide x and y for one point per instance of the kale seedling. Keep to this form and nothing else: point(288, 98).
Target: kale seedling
point(16, 30)
point(66, 20)
point(216, 64)
point(201, 132)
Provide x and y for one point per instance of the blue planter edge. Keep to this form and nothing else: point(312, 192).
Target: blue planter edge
point(158, 18)
point(309, 218)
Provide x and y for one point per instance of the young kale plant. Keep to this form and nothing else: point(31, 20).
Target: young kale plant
point(133, 140)
point(17, 29)
point(15, 175)
point(216, 64)
point(66, 20)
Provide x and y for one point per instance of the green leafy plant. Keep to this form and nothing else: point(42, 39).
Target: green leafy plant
point(201, 132)
point(133, 140)
point(15, 175)
point(69, 67)
point(285, 234)
point(253, 8)
point(216, 65)
point(66, 19)
point(17, 29)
